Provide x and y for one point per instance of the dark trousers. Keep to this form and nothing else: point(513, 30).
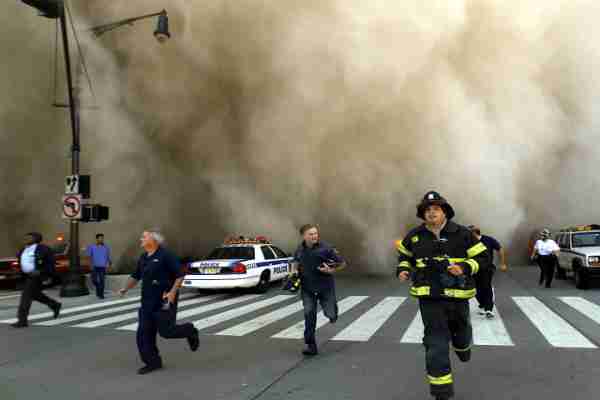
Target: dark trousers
point(159, 322)
point(98, 279)
point(328, 301)
point(445, 321)
point(547, 265)
point(32, 290)
point(485, 293)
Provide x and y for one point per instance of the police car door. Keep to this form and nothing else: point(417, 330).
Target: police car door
point(270, 262)
point(283, 267)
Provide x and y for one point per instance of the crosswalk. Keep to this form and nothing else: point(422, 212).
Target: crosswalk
point(361, 319)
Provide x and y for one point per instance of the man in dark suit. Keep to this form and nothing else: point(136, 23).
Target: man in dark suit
point(37, 263)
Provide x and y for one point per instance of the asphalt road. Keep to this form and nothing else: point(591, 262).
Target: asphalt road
point(543, 345)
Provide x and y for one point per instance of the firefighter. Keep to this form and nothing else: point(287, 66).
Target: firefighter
point(441, 258)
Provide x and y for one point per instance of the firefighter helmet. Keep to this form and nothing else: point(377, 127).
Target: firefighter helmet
point(434, 198)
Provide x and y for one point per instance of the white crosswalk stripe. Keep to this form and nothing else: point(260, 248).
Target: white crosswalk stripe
point(362, 329)
point(296, 331)
point(237, 312)
point(247, 316)
point(200, 310)
point(585, 307)
point(262, 321)
point(132, 315)
point(76, 309)
point(414, 333)
point(488, 332)
point(557, 331)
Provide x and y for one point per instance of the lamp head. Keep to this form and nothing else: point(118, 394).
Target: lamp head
point(162, 33)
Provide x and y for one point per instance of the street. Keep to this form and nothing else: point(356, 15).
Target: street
point(543, 344)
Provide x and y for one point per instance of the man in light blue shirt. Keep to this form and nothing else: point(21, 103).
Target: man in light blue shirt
point(100, 260)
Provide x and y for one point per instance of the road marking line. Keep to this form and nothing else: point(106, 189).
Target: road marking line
point(488, 332)
point(10, 297)
point(296, 331)
point(75, 309)
point(414, 333)
point(116, 318)
point(262, 321)
point(362, 329)
point(585, 307)
point(557, 331)
point(199, 310)
point(237, 312)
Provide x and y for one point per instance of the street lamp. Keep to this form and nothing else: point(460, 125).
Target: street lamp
point(75, 284)
point(161, 33)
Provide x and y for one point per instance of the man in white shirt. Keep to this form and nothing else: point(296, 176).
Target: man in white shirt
point(546, 252)
point(37, 262)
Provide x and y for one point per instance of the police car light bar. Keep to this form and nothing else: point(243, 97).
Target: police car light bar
point(247, 240)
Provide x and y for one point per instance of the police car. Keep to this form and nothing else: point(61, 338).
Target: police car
point(580, 253)
point(240, 263)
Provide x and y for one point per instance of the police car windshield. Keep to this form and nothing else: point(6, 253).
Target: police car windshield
point(587, 239)
point(232, 253)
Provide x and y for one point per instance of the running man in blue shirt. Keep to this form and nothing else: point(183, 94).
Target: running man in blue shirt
point(100, 260)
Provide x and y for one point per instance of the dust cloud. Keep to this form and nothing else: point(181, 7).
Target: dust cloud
point(259, 116)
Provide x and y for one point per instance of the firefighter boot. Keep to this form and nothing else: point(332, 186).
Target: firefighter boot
point(463, 355)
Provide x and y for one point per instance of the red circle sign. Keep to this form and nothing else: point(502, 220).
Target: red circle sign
point(71, 206)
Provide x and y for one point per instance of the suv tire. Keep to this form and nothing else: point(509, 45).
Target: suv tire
point(580, 277)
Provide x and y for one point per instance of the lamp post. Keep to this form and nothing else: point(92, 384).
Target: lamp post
point(75, 284)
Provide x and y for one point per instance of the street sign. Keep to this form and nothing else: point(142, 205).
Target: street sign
point(78, 184)
point(72, 184)
point(71, 205)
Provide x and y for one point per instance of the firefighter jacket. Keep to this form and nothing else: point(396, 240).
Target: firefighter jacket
point(427, 259)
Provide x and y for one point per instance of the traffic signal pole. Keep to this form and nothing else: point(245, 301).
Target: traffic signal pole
point(75, 284)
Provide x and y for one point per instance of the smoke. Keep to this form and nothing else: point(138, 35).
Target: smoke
point(260, 116)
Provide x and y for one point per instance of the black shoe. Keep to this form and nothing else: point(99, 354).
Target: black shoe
point(20, 325)
point(194, 340)
point(442, 398)
point(56, 310)
point(310, 350)
point(148, 368)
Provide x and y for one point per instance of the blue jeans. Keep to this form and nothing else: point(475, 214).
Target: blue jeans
point(328, 301)
point(98, 278)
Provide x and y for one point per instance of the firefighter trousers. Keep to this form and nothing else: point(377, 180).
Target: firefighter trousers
point(445, 321)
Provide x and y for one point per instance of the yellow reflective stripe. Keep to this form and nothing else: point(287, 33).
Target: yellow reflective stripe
point(420, 263)
point(475, 250)
point(442, 380)
point(456, 260)
point(462, 350)
point(403, 249)
point(474, 266)
point(420, 291)
point(460, 293)
point(404, 264)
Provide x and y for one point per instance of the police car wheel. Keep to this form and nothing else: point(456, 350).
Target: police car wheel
point(263, 283)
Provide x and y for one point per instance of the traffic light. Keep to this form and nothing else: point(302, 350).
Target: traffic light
point(94, 213)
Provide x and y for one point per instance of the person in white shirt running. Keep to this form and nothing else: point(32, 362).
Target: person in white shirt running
point(546, 252)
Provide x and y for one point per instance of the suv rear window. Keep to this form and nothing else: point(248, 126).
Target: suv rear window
point(587, 239)
point(232, 253)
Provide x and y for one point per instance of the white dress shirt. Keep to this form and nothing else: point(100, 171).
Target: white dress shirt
point(28, 259)
point(546, 247)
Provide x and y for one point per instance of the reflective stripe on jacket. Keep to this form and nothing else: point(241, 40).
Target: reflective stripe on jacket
point(427, 258)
